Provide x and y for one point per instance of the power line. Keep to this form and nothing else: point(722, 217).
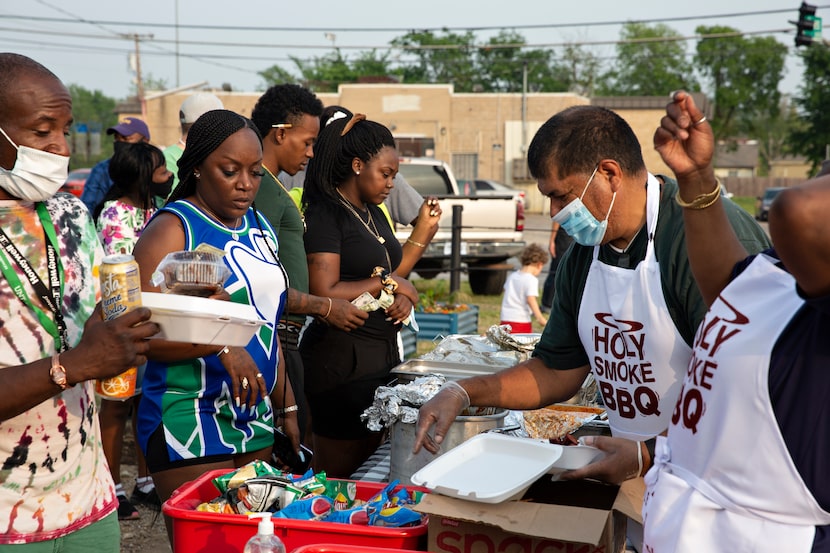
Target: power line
point(76, 18)
point(402, 29)
point(419, 47)
point(156, 46)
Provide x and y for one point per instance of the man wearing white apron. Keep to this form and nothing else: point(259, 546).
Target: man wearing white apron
point(743, 467)
point(626, 306)
point(637, 353)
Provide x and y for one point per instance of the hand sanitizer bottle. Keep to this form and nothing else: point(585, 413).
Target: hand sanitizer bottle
point(264, 541)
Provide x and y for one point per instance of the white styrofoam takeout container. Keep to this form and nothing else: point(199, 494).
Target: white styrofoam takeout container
point(202, 320)
point(489, 468)
point(575, 457)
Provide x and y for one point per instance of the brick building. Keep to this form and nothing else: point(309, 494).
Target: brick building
point(481, 135)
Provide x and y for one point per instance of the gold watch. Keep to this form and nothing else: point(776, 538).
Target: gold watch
point(58, 372)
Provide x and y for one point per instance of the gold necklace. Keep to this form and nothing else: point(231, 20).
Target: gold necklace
point(348, 205)
point(299, 212)
point(373, 230)
point(234, 231)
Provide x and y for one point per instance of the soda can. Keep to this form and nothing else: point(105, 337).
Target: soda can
point(120, 293)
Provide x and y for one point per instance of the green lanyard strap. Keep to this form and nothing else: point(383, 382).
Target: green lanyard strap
point(50, 295)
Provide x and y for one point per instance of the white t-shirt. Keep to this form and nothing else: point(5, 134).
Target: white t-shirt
point(518, 287)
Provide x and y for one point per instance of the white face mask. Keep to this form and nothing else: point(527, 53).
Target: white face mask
point(36, 174)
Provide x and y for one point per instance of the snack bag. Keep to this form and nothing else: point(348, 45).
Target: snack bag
point(315, 507)
point(394, 516)
point(238, 477)
point(343, 493)
point(356, 515)
point(269, 493)
point(218, 505)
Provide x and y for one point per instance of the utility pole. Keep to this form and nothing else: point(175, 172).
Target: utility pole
point(139, 81)
point(524, 109)
point(177, 44)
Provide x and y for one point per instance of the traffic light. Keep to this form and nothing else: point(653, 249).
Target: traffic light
point(808, 26)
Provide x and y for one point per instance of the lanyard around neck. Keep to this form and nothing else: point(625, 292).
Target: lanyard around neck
point(51, 292)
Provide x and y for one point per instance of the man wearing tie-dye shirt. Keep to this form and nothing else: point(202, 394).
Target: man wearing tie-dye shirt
point(56, 493)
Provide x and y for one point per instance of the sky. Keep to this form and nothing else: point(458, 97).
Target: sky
point(90, 42)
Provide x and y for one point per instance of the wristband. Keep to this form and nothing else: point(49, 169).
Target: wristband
point(650, 449)
point(639, 459)
point(386, 281)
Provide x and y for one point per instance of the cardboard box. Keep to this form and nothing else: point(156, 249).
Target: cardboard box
point(552, 517)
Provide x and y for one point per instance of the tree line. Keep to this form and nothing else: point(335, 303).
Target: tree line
point(740, 75)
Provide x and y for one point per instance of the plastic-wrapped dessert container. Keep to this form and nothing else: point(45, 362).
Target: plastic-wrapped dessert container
point(191, 273)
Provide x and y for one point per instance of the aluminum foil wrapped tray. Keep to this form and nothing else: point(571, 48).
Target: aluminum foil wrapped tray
point(497, 348)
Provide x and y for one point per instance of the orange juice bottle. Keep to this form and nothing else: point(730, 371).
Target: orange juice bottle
point(120, 293)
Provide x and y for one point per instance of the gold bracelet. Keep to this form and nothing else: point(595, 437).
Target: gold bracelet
point(702, 201)
point(289, 409)
point(414, 243)
point(326, 316)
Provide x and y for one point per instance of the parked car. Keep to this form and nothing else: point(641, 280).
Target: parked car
point(764, 202)
point(495, 188)
point(726, 193)
point(75, 182)
point(492, 226)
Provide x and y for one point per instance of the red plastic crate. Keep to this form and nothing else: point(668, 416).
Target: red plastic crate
point(200, 532)
point(343, 548)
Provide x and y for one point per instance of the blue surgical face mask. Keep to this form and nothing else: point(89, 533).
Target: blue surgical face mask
point(579, 222)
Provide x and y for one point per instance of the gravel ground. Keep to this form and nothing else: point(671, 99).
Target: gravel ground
point(147, 533)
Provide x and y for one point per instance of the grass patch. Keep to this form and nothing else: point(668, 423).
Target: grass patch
point(489, 307)
point(437, 290)
point(746, 202)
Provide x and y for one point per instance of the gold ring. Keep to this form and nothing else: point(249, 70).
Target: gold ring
point(701, 120)
point(244, 382)
point(259, 375)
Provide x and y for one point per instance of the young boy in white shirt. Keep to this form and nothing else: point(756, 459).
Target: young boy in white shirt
point(519, 305)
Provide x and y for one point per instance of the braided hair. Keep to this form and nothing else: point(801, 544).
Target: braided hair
point(334, 151)
point(205, 136)
point(131, 169)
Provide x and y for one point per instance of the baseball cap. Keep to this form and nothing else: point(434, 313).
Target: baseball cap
point(197, 105)
point(130, 125)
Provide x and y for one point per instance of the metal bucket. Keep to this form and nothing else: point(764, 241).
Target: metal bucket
point(403, 463)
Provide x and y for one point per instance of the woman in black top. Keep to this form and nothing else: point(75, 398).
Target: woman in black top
point(351, 249)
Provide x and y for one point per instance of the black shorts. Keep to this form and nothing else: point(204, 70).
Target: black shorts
point(158, 460)
point(342, 372)
point(336, 413)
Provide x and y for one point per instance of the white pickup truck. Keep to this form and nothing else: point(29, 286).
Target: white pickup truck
point(491, 227)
